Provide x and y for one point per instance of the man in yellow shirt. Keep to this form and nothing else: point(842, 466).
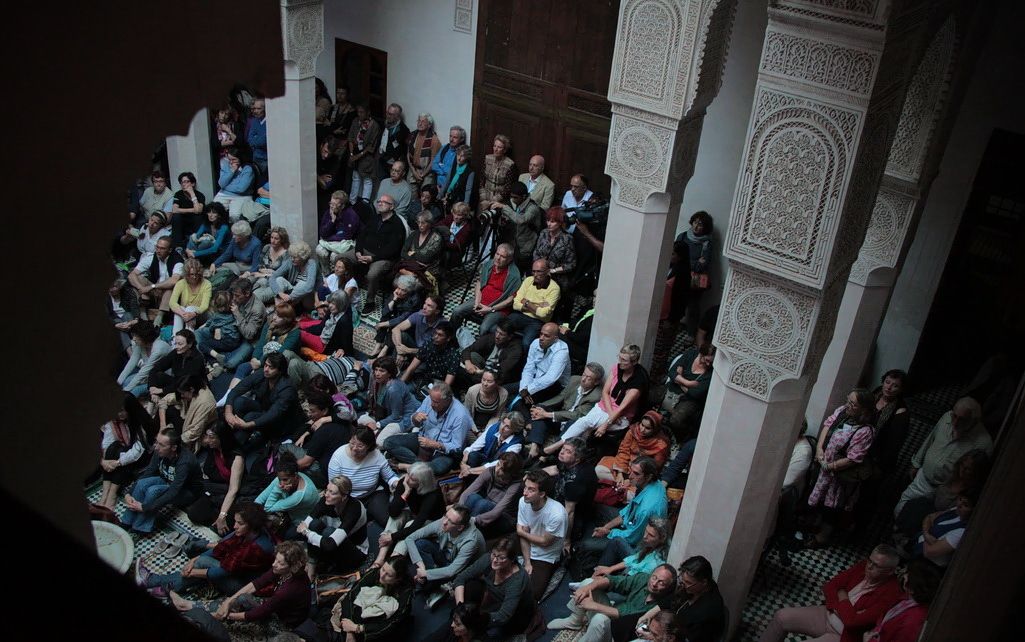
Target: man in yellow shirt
point(534, 303)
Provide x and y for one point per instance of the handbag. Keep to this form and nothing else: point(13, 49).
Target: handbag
point(670, 400)
point(859, 472)
point(698, 281)
point(609, 494)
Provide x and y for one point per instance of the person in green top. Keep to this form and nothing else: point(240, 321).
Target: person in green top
point(291, 493)
point(590, 608)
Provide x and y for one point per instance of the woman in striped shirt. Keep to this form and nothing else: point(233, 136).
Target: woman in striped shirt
point(366, 467)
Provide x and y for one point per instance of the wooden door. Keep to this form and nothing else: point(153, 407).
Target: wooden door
point(364, 71)
point(542, 78)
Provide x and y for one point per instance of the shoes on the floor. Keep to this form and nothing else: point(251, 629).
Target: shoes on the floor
point(161, 546)
point(215, 371)
point(435, 598)
point(180, 539)
point(142, 573)
point(172, 551)
point(571, 623)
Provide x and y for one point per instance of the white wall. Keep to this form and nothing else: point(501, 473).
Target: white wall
point(994, 100)
point(722, 138)
point(430, 65)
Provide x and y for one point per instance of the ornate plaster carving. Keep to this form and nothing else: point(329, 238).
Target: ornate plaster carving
point(922, 107)
point(887, 229)
point(669, 52)
point(824, 64)
point(792, 185)
point(463, 19)
point(765, 327)
point(303, 30)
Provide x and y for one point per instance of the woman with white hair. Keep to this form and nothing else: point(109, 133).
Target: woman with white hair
point(333, 331)
point(240, 255)
point(405, 299)
point(296, 280)
point(416, 501)
point(422, 150)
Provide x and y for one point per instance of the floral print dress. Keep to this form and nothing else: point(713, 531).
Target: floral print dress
point(831, 491)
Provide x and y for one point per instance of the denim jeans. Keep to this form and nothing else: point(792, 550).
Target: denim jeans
point(238, 355)
point(478, 504)
point(145, 490)
point(221, 579)
point(404, 448)
point(205, 342)
point(674, 469)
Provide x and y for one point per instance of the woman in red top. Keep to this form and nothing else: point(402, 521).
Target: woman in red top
point(904, 621)
point(284, 591)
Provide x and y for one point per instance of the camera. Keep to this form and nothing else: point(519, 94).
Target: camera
point(593, 211)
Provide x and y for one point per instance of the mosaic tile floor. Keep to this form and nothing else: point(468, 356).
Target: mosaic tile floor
point(800, 584)
point(171, 520)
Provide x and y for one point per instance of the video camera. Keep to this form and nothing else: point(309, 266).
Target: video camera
point(593, 211)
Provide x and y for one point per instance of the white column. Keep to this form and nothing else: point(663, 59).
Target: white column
point(659, 92)
point(291, 130)
point(910, 170)
point(191, 153)
point(828, 95)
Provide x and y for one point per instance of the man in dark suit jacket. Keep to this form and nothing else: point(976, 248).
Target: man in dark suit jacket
point(394, 140)
point(575, 401)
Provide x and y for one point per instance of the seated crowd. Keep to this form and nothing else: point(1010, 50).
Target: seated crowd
point(463, 459)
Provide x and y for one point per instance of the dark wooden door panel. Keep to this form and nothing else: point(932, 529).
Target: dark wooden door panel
point(541, 77)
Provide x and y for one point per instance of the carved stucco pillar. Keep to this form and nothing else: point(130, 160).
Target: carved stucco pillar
point(910, 170)
point(830, 85)
point(666, 69)
point(291, 126)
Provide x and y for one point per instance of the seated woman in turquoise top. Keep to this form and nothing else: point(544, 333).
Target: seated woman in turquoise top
point(210, 239)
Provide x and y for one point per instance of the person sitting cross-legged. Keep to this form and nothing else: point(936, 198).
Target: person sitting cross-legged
point(502, 436)
point(541, 525)
point(444, 423)
point(492, 497)
point(443, 549)
point(172, 477)
point(621, 535)
point(575, 401)
point(336, 529)
point(437, 361)
point(590, 607)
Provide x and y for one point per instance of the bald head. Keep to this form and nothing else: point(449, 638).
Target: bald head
point(549, 335)
point(536, 166)
point(541, 272)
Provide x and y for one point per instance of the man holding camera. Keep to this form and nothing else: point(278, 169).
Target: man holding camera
point(522, 220)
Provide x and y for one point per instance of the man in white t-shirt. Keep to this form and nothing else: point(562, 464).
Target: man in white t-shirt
point(541, 525)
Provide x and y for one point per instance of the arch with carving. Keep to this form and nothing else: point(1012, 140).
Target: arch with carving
point(670, 65)
point(893, 214)
point(791, 186)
